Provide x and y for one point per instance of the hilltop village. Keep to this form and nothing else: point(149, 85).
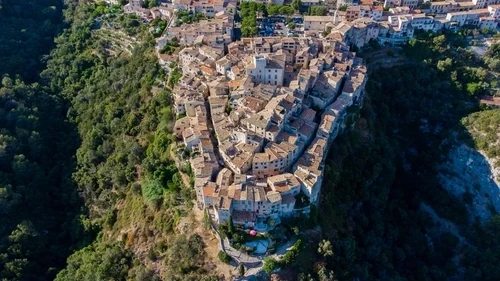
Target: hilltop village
point(258, 114)
point(274, 105)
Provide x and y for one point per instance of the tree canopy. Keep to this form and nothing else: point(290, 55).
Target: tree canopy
point(28, 31)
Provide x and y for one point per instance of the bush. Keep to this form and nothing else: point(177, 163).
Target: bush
point(224, 257)
point(152, 254)
point(290, 256)
point(152, 191)
point(270, 264)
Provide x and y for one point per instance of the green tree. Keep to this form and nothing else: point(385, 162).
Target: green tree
point(296, 4)
point(439, 43)
point(151, 3)
point(325, 248)
point(273, 9)
point(152, 191)
point(98, 262)
point(269, 265)
point(224, 257)
point(474, 88)
point(445, 65)
point(241, 269)
point(317, 11)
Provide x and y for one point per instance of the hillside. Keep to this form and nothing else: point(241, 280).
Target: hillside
point(124, 170)
point(39, 205)
point(484, 127)
point(95, 128)
point(90, 189)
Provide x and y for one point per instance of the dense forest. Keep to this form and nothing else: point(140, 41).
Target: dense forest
point(28, 31)
point(40, 208)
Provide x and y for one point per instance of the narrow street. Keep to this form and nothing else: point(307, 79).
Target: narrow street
point(213, 137)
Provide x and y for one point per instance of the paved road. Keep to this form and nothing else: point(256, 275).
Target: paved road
point(238, 255)
point(253, 265)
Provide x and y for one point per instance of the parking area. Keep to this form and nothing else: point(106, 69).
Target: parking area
point(279, 26)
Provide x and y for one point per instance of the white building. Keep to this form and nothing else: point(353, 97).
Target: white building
point(265, 70)
point(410, 3)
point(494, 11)
point(484, 3)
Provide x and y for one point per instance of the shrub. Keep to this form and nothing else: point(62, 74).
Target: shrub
point(224, 257)
point(270, 264)
point(241, 270)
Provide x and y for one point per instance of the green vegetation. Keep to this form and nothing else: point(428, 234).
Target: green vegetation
point(270, 264)
point(41, 219)
point(343, 8)
point(485, 127)
point(292, 254)
point(248, 13)
point(151, 3)
point(465, 71)
point(122, 111)
point(185, 260)
point(274, 9)
point(380, 195)
point(98, 123)
point(492, 58)
point(39, 207)
point(158, 26)
point(480, 260)
point(100, 8)
point(289, 258)
point(224, 257)
point(98, 262)
point(175, 75)
point(187, 17)
point(118, 134)
point(317, 11)
point(325, 248)
point(28, 31)
point(241, 270)
point(170, 47)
